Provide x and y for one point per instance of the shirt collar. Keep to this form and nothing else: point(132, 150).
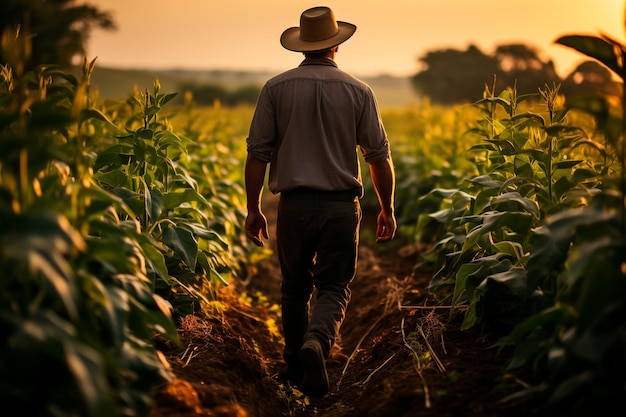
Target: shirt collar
point(319, 61)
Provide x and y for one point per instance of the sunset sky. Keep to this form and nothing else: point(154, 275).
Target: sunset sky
point(391, 34)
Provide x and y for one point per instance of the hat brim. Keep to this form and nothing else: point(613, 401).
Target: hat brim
point(290, 39)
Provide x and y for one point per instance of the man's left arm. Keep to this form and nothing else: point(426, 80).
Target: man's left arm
point(384, 180)
point(256, 223)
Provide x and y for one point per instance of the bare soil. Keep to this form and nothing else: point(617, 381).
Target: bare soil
point(399, 353)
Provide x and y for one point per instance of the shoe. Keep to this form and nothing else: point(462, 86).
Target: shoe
point(315, 378)
point(290, 374)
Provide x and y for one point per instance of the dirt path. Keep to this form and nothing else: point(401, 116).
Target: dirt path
point(398, 353)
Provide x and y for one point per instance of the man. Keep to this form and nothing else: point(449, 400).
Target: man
point(308, 124)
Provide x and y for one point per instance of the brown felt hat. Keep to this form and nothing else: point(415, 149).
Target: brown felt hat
point(318, 30)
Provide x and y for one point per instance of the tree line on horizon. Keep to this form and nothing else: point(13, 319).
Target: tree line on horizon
point(448, 76)
point(511, 66)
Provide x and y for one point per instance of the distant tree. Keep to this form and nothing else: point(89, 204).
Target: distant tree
point(520, 66)
point(590, 77)
point(207, 94)
point(245, 95)
point(452, 76)
point(59, 28)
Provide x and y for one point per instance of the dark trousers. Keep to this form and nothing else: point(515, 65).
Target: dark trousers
point(317, 240)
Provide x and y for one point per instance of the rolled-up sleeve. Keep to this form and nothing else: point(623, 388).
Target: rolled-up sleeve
point(376, 155)
point(371, 135)
point(262, 136)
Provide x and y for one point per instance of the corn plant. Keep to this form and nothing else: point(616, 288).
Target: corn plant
point(577, 346)
point(216, 154)
point(525, 173)
point(171, 188)
point(77, 313)
point(536, 240)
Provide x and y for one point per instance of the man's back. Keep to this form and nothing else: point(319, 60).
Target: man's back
point(320, 115)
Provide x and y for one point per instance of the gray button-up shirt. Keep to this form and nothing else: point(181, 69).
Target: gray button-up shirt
point(309, 123)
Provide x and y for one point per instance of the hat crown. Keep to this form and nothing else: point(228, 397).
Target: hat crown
point(318, 24)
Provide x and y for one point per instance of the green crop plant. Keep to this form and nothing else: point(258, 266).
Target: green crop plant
point(77, 315)
point(535, 241)
point(530, 165)
point(113, 225)
point(147, 167)
point(576, 347)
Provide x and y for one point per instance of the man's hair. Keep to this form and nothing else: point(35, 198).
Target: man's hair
point(317, 54)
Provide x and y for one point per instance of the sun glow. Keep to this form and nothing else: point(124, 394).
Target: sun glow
point(196, 34)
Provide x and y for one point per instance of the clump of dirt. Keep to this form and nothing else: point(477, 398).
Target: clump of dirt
point(398, 354)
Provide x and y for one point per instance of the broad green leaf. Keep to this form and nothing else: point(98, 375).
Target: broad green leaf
point(504, 146)
point(202, 232)
point(156, 204)
point(590, 143)
point(594, 254)
point(152, 110)
point(117, 308)
point(513, 282)
point(513, 249)
point(114, 178)
point(545, 319)
point(514, 201)
point(460, 288)
point(159, 319)
point(130, 199)
point(155, 259)
point(194, 291)
point(42, 241)
point(219, 278)
point(139, 149)
point(96, 114)
point(523, 167)
point(166, 98)
point(183, 177)
point(552, 241)
point(529, 116)
point(484, 146)
point(183, 243)
point(48, 336)
point(147, 200)
point(71, 78)
point(519, 222)
point(559, 130)
point(567, 164)
point(604, 50)
point(471, 317)
point(87, 368)
point(486, 181)
point(441, 216)
point(172, 200)
point(483, 199)
point(136, 287)
point(167, 138)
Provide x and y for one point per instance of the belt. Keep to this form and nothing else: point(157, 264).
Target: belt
point(311, 194)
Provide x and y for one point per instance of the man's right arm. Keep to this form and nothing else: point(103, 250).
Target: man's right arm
point(384, 180)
